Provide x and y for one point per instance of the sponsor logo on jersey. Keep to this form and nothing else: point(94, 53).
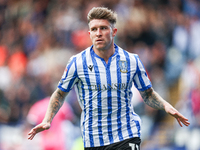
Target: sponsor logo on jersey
point(113, 86)
point(90, 67)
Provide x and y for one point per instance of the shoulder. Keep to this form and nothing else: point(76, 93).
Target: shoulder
point(127, 54)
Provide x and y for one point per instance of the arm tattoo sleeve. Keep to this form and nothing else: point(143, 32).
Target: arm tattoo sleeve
point(56, 101)
point(152, 98)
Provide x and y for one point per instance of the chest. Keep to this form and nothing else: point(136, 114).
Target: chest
point(97, 75)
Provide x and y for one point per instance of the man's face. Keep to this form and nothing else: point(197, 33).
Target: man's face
point(101, 33)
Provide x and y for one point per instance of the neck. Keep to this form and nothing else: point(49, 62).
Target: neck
point(106, 53)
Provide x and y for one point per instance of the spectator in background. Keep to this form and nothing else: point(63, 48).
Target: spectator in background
point(55, 138)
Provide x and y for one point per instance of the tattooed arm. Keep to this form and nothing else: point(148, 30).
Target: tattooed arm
point(55, 103)
point(154, 100)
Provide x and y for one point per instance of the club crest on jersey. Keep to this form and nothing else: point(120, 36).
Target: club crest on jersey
point(123, 66)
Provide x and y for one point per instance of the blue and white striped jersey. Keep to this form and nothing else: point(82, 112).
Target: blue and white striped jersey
point(104, 92)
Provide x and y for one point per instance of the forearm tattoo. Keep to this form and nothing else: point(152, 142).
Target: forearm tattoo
point(55, 104)
point(152, 99)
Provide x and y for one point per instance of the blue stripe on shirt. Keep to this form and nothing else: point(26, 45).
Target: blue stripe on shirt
point(85, 68)
point(69, 87)
point(119, 100)
point(84, 109)
point(138, 127)
point(109, 101)
point(137, 70)
point(98, 82)
point(140, 75)
point(137, 123)
point(126, 96)
point(143, 85)
point(71, 82)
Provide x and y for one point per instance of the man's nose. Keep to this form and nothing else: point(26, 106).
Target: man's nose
point(98, 33)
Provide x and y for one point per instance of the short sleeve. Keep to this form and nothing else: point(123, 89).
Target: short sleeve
point(69, 77)
point(140, 79)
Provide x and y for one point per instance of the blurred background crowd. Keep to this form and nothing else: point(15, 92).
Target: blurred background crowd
point(37, 38)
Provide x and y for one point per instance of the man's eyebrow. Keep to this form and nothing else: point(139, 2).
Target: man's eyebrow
point(101, 26)
point(93, 27)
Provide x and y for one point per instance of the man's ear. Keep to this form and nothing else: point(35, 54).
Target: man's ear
point(114, 31)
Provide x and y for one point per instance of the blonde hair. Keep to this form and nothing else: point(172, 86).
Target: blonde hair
point(102, 13)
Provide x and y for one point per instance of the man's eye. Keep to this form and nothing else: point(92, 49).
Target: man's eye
point(94, 29)
point(103, 28)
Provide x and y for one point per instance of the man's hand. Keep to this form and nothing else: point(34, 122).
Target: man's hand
point(179, 117)
point(154, 100)
point(56, 101)
point(37, 129)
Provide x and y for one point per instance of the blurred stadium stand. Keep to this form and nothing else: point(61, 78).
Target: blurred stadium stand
point(37, 38)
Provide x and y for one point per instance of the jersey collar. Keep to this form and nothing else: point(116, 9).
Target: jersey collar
point(95, 55)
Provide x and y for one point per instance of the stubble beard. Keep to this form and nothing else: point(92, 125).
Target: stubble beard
point(103, 47)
